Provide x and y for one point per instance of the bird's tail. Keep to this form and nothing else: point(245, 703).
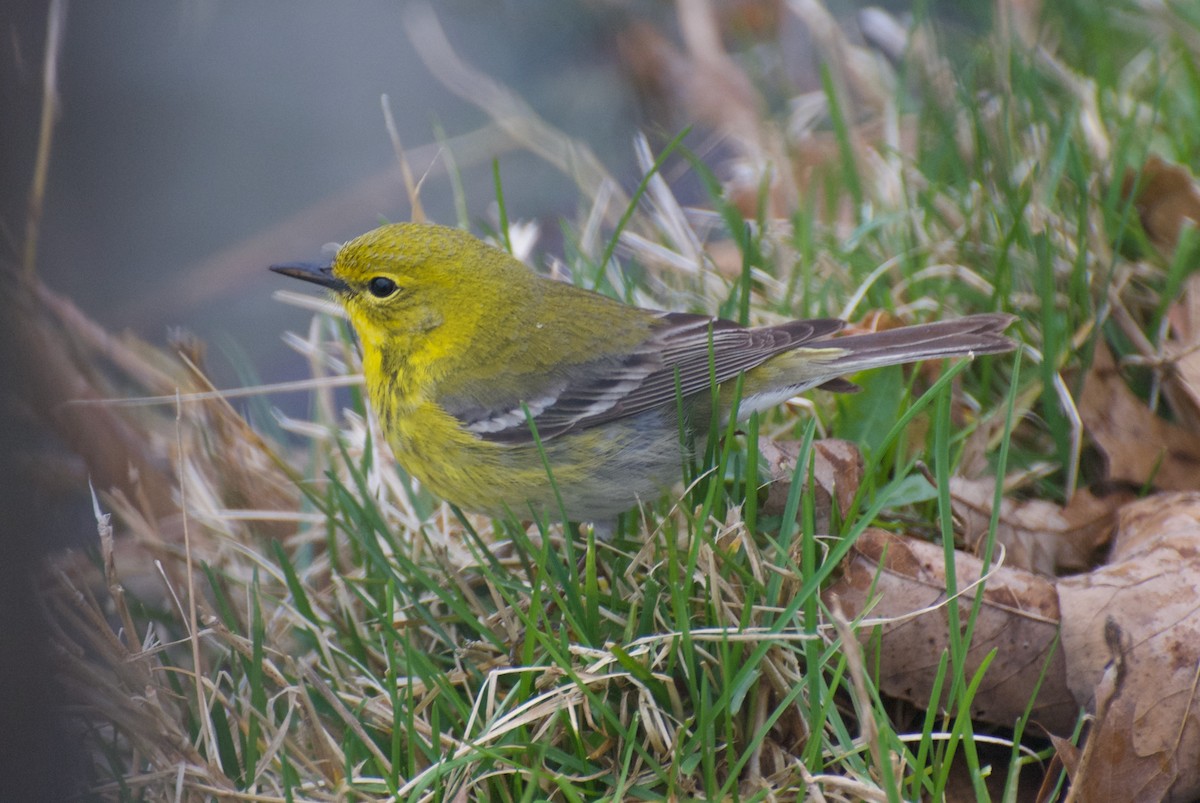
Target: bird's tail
point(961, 337)
point(823, 362)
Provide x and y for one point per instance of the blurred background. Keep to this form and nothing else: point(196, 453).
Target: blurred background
point(199, 141)
point(196, 143)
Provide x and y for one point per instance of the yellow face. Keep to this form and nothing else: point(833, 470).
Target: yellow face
point(416, 286)
point(411, 287)
point(392, 282)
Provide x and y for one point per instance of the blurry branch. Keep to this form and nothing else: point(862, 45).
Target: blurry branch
point(339, 215)
point(511, 114)
point(56, 22)
point(413, 188)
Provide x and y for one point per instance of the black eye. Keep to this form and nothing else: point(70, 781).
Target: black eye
point(381, 287)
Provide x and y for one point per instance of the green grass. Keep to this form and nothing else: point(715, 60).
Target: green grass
point(387, 647)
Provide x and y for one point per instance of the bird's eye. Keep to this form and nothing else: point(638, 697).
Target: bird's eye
point(381, 287)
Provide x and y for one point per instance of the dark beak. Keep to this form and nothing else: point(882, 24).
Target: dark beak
point(313, 272)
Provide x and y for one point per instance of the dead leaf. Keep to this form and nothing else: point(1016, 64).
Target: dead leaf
point(1066, 756)
point(1037, 535)
point(1146, 741)
point(1067, 753)
point(1140, 447)
point(1166, 198)
point(1182, 384)
point(1019, 619)
point(1130, 644)
point(837, 469)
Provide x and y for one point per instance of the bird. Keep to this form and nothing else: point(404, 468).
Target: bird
point(505, 392)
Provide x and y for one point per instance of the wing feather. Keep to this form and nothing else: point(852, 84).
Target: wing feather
point(596, 392)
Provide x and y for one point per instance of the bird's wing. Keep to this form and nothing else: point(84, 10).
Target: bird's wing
point(684, 354)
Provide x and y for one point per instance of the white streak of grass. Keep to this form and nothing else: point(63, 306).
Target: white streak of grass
point(853, 789)
point(323, 383)
point(510, 113)
point(312, 347)
point(411, 187)
point(590, 245)
point(1071, 411)
point(312, 303)
point(865, 711)
point(202, 708)
point(665, 209)
point(658, 256)
point(536, 713)
point(56, 23)
point(958, 273)
point(267, 515)
point(860, 292)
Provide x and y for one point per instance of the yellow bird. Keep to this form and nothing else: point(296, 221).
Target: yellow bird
point(483, 373)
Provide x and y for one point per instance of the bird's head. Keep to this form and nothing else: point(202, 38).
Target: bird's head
point(403, 280)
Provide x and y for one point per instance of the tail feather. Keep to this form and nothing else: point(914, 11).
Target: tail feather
point(961, 337)
point(824, 361)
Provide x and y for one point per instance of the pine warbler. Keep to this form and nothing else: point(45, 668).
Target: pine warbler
point(463, 346)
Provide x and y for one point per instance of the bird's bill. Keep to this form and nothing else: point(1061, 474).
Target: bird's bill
point(312, 272)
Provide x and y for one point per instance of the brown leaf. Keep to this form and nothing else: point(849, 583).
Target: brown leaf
point(1166, 198)
point(1182, 385)
point(1067, 753)
point(1038, 536)
point(1019, 619)
point(1132, 644)
point(837, 470)
point(1140, 448)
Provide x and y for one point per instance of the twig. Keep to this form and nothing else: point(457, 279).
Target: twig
point(55, 23)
